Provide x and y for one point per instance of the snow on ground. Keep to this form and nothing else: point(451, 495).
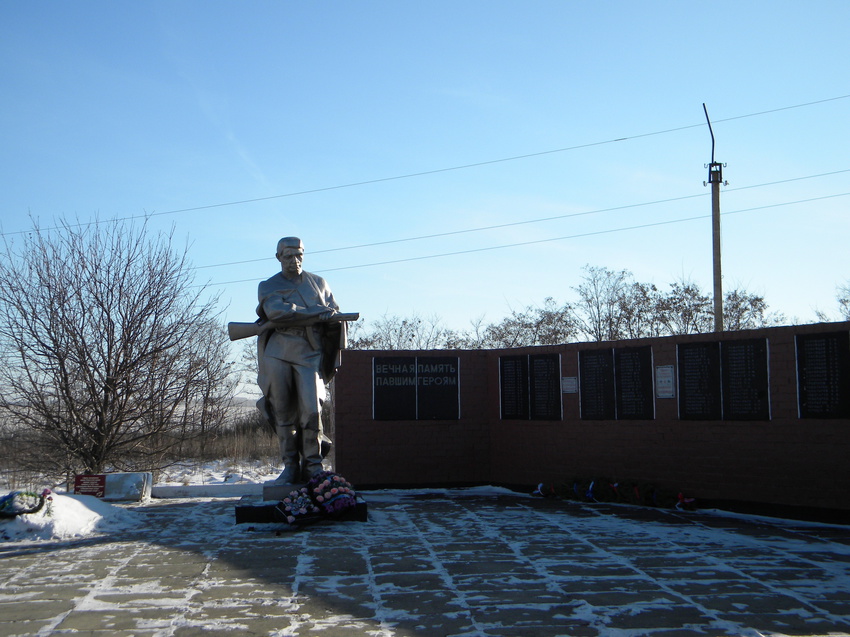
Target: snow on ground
point(67, 517)
point(219, 472)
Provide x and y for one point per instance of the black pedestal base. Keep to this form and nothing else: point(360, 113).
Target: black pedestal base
point(258, 511)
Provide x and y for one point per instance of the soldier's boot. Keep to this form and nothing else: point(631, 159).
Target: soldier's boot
point(287, 436)
point(311, 448)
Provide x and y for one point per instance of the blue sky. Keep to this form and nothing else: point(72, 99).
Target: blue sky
point(506, 112)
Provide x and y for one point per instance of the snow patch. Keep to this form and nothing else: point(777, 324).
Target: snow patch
point(68, 516)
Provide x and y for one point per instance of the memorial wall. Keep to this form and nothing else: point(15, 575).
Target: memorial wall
point(752, 415)
point(716, 380)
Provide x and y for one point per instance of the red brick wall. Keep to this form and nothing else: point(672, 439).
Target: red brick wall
point(411, 452)
point(784, 461)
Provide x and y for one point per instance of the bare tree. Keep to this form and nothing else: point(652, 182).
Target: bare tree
point(475, 337)
point(108, 351)
point(392, 332)
point(843, 298)
point(842, 295)
point(598, 311)
point(640, 311)
point(743, 310)
point(389, 332)
point(550, 324)
point(686, 310)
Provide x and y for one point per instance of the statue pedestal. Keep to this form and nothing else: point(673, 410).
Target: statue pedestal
point(269, 509)
point(252, 509)
point(275, 492)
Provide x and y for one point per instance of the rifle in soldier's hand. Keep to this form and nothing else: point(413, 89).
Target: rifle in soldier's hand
point(238, 331)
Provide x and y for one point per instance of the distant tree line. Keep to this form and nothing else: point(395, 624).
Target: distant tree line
point(610, 305)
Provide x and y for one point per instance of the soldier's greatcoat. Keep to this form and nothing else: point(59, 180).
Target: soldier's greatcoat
point(315, 346)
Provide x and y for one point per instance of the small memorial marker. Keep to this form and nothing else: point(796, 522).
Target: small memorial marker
point(665, 381)
point(90, 485)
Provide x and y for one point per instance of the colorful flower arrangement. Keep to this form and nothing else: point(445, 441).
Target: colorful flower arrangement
point(326, 495)
point(332, 493)
point(299, 507)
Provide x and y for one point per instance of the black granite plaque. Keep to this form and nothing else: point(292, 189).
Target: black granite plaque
point(699, 381)
point(545, 386)
point(633, 383)
point(513, 387)
point(596, 384)
point(438, 387)
point(823, 375)
point(746, 391)
point(394, 387)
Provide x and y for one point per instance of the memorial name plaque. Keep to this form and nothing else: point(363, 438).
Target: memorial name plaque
point(744, 372)
point(823, 375)
point(545, 386)
point(90, 484)
point(633, 383)
point(394, 387)
point(569, 385)
point(699, 381)
point(665, 381)
point(437, 388)
point(596, 384)
point(513, 387)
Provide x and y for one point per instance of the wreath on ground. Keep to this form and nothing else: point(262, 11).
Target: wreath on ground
point(23, 503)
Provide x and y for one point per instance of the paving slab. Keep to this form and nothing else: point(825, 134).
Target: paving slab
point(451, 562)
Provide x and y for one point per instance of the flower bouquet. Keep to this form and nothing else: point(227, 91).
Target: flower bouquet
point(332, 493)
point(299, 508)
point(326, 495)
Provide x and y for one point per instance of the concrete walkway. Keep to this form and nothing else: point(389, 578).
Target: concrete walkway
point(464, 562)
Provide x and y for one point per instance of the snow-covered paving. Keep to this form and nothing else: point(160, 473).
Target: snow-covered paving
point(483, 561)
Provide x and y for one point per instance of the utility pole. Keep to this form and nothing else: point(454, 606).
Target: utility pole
point(715, 178)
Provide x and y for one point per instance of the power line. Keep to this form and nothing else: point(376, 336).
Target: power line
point(440, 170)
point(526, 222)
point(465, 231)
point(551, 239)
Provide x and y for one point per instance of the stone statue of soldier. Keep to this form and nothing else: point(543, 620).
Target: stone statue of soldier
point(296, 359)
